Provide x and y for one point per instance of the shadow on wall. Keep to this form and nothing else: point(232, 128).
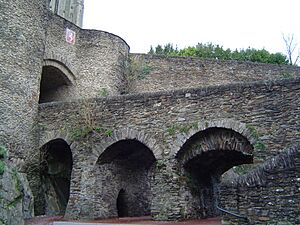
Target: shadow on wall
point(55, 175)
point(122, 204)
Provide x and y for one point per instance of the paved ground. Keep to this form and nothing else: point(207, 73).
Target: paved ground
point(58, 220)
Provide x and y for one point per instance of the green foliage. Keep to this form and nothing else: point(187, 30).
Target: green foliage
point(253, 131)
point(260, 146)
point(104, 131)
point(3, 222)
point(160, 165)
point(243, 169)
point(286, 75)
point(171, 130)
point(80, 133)
point(168, 49)
point(145, 70)
point(213, 51)
point(139, 70)
point(183, 129)
point(3, 152)
point(83, 132)
point(14, 202)
point(108, 133)
point(2, 167)
point(103, 92)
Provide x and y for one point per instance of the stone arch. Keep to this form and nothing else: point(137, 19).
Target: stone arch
point(62, 59)
point(206, 154)
point(57, 82)
point(61, 66)
point(127, 134)
point(55, 174)
point(125, 163)
point(56, 134)
point(229, 124)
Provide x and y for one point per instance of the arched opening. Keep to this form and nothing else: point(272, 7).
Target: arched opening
point(55, 172)
point(128, 167)
point(204, 158)
point(122, 204)
point(54, 86)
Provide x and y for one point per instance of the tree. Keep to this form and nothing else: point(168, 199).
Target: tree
point(213, 51)
point(291, 47)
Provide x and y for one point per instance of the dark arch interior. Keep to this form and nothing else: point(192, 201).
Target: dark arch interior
point(128, 153)
point(53, 84)
point(55, 175)
point(122, 205)
point(205, 168)
point(216, 162)
point(131, 162)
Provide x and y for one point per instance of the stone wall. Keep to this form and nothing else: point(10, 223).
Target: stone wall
point(97, 60)
point(270, 110)
point(266, 113)
point(268, 195)
point(22, 48)
point(150, 73)
point(16, 199)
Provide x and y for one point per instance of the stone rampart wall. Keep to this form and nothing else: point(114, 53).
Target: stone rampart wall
point(269, 109)
point(268, 195)
point(164, 122)
point(150, 73)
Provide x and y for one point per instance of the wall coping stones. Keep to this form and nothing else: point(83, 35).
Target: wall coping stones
point(202, 91)
point(257, 177)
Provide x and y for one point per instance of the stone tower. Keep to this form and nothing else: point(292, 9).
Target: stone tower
point(71, 10)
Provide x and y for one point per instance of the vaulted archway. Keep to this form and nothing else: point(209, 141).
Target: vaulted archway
point(123, 171)
point(56, 82)
point(204, 157)
point(55, 175)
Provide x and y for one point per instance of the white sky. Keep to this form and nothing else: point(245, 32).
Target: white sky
point(230, 23)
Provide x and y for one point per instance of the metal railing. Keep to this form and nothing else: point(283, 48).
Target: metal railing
point(233, 214)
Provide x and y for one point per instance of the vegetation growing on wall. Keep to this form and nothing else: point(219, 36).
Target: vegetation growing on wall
point(139, 70)
point(259, 146)
point(182, 129)
point(213, 51)
point(3, 155)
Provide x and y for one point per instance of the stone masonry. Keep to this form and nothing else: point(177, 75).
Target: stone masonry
point(104, 133)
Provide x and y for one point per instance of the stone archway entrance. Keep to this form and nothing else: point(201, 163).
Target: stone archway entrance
point(55, 175)
point(203, 159)
point(123, 171)
point(55, 85)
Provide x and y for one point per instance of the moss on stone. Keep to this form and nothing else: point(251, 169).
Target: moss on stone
point(3, 152)
point(2, 167)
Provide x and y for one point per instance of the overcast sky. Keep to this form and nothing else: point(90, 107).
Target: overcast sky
point(230, 23)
